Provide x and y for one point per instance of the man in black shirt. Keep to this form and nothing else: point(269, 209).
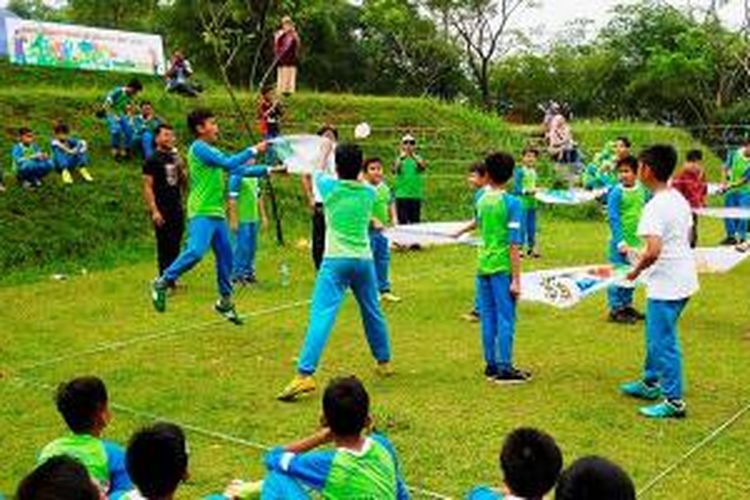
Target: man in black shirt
point(164, 183)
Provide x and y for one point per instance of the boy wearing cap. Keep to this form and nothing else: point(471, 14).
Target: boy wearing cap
point(409, 169)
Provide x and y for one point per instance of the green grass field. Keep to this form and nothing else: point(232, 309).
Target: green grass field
point(445, 420)
point(220, 381)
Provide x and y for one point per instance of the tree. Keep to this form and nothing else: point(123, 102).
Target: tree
point(117, 14)
point(478, 27)
point(34, 9)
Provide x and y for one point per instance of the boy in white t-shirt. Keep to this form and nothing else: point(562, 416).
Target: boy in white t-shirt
point(671, 279)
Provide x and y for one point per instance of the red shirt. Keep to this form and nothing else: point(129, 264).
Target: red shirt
point(691, 183)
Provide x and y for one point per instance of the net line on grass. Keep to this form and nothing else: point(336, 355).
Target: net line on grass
point(222, 436)
point(122, 344)
point(712, 436)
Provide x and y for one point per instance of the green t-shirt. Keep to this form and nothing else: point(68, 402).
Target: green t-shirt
point(409, 180)
point(118, 100)
point(371, 475)
point(86, 449)
point(528, 180)
point(631, 207)
point(348, 208)
point(206, 197)
point(247, 205)
point(737, 167)
point(499, 223)
point(383, 200)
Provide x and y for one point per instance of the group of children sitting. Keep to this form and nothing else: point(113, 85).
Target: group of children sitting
point(31, 163)
point(346, 457)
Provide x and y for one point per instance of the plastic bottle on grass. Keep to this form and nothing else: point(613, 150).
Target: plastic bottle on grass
point(284, 274)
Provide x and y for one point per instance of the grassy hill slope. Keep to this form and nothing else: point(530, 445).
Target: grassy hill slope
point(62, 228)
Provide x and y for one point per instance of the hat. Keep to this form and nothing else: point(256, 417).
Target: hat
point(408, 138)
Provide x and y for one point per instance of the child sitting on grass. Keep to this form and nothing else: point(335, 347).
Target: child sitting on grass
point(30, 163)
point(478, 181)
point(69, 153)
point(625, 204)
point(357, 466)
point(594, 478)
point(83, 404)
point(59, 478)
point(384, 215)
point(671, 280)
point(691, 183)
point(525, 188)
point(531, 462)
point(157, 461)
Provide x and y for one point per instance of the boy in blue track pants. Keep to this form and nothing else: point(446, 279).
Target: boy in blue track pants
point(384, 214)
point(737, 193)
point(207, 225)
point(347, 263)
point(70, 154)
point(118, 122)
point(671, 280)
point(246, 213)
point(625, 204)
point(525, 188)
point(30, 163)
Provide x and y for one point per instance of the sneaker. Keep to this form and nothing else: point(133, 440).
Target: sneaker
point(2, 187)
point(620, 316)
point(533, 253)
point(299, 386)
point(26, 185)
point(66, 177)
point(390, 297)
point(240, 282)
point(512, 376)
point(85, 174)
point(227, 309)
point(159, 295)
point(742, 247)
point(634, 313)
point(490, 373)
point(641, 390)
point(250, 279)
point(471, 316)
point(384, 369)
point(729, 240)
point(36, 183)
point(666, 409)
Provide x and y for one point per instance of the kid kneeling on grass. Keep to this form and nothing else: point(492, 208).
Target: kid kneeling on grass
point(625, 204)
point(30, 163)
point(69, 154)
point(358, 465)
point(207, 225)
point(157, 461)
point(499, 270)
point(384, 215)
point(670, 282)
point(83, 404)
point(531, 462)
point(347, 263)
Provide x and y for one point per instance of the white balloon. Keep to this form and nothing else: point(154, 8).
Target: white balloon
point(362, 131)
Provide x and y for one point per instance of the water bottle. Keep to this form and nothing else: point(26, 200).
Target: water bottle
point(284, 273)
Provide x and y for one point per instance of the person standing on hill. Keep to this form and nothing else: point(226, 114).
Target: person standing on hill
point(409, 169)
point(164, 183)
point(115, 110)
point(286, 51)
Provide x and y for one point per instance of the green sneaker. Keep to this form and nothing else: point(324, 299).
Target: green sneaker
point(666, 409)
point(641, 390)
point(159, 295)
point(227, 310)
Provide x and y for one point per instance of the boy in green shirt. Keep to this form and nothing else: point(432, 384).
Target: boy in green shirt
point(409, 170)
point(498, 218)
point(525, 188)
point(246, 213)
point(625, 205)
point(384, 214)
point(357, 466)
point(737, 194)
point(347, 263)
point(119, 124)
point(207, 225)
